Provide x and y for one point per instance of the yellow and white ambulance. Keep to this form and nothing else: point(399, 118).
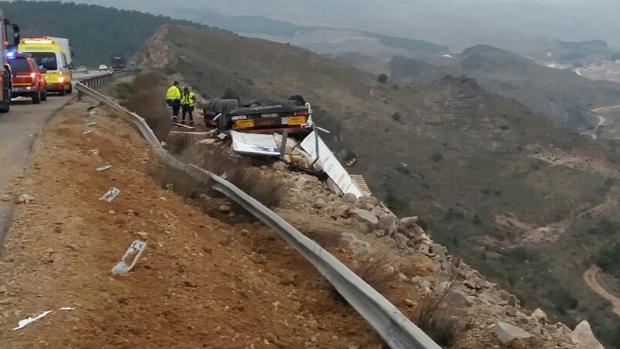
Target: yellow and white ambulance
point(52, 54)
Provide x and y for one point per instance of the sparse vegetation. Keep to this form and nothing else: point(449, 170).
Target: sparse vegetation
point(609, 259)
point(267, 189)
point(377, 271)
point(230, 94)
point(433, 319)
point(382, 79)
point(144, 97)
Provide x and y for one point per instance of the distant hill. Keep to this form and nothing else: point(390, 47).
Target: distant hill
point(560, 94)
point(506, 189)
point(95, 32)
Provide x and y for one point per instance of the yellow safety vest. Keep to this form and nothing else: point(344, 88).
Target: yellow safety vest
point(173, 93)
point(188, 99)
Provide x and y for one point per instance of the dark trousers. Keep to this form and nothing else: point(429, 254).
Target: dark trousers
point(175, 104)
point(188, 110)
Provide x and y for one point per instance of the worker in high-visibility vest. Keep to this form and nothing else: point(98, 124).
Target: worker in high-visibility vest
point(173, 98)
point(188, 102)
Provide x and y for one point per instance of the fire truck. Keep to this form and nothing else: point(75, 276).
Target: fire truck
point(10, 40)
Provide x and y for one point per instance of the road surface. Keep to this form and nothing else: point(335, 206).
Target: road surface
point(591, 278)
point(18, 128)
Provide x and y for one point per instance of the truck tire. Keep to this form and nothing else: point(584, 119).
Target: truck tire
point(62, 92)
point(70, 90)
point(36, 98)
point(5, 104)
point(44, 96)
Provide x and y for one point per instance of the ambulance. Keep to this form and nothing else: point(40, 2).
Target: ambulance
point(54, 56)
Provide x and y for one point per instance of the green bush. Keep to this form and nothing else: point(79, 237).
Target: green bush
point(382, 79)
point(609, 258)
point(230, 94)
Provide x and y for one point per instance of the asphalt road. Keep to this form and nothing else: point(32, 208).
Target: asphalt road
point(18, 129)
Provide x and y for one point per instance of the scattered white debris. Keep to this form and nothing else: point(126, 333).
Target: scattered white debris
point(67, 308)
point(250, 143)
point(91, 124)
point(133, 252)
point(110, 195)
point(183, 126)
point(23, 323)
point(25, 199)
point(208, 141)
point(104, 168)
point(87, 132)
point(330, 164)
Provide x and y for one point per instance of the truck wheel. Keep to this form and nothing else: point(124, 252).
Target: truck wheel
point(62, 92)
point(36, 98)
point(5, 105)
point(70, 90)
point(44, 96)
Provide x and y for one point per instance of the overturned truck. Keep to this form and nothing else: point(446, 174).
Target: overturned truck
point(293, 116)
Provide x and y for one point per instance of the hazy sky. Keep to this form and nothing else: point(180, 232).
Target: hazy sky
point(456, 23)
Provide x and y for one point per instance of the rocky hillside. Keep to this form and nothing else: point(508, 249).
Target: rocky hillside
point(512, 194)
point(559, 94)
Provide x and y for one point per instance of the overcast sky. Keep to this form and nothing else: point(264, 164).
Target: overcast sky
point(456, 23)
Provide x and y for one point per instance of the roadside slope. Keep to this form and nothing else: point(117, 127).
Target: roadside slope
point(201, 282)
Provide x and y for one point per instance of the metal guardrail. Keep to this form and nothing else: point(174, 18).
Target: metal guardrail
point(397, 330)
point(97, 80)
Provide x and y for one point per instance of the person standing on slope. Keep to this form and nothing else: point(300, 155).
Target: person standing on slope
point(173, 98)
point(188, 102)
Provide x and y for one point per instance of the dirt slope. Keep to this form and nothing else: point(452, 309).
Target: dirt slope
point(201, 283)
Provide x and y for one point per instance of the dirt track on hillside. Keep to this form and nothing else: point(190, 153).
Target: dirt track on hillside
point(201, 283)
point(591, 278)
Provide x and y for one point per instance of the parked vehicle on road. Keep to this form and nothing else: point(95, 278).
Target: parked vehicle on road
point(50, 54)
point(28, 80)
point(82, 69)
point(9, 33)
point(103, 67)
point(293, 116)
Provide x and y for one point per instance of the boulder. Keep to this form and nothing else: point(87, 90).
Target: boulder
point(279, 166)
point(338, 211)
point(507, 333)
point(408, 221)
point(378, 211)
point(380, 233)
point(365, 216)
point(350, 198)
point(320, 203)
point(401, 241)
point(388, 223)
point(540, 316)
point(584, 338)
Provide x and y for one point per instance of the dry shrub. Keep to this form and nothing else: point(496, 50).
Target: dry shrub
point(377, 271)
point(432, 319)
point(267, 189)
point(146, 97)
point(326, 233)
point(177, 180)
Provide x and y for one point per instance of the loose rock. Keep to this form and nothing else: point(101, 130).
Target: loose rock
point(508, 333)
point(584, 337)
